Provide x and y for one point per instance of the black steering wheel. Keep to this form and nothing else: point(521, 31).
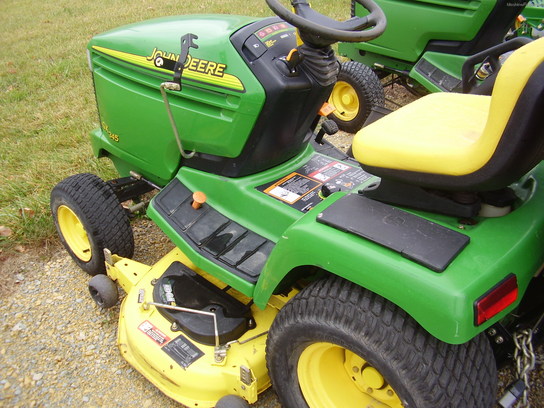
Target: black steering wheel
point(310, 22)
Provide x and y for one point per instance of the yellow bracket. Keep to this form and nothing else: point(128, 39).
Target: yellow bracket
point(125, 271)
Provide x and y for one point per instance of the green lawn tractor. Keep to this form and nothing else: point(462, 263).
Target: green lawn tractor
point(425, 46)
point(400, 278)
point(530, 22)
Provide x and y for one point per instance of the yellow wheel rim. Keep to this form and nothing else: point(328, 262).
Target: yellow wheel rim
point(74, 233)
point(332, 376)
point(345, 100)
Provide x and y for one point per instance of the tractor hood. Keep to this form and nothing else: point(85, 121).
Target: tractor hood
point(238, 108)
point(215, 110)
point(156, 45)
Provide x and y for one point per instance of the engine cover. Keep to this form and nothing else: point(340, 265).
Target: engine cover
point(237, 107)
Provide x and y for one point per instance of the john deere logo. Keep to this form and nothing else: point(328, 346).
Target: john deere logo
point(167, 60)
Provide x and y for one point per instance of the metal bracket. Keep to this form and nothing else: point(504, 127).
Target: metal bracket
point(187, 41)
point(220, 354)
point(108, 257)
point(245, 375)
point(172, 86)
point(141, 296)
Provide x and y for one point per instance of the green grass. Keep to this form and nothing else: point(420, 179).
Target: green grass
point(47, 106)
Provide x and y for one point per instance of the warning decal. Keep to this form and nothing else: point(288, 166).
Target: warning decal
point(180, 349)
point(292, 188)
point(153, 333)
point(330, 171)
point(301, 188)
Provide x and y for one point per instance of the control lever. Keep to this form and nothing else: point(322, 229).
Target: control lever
point(329, 127)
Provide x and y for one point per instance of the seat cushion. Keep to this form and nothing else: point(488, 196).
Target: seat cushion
point(439, 134)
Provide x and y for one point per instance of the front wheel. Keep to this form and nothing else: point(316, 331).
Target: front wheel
point(89, 218)
point(103, 291)
point(336, 345)
point(232, 401)
point(356, 92)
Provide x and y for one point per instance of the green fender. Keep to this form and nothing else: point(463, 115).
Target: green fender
point(443, 303)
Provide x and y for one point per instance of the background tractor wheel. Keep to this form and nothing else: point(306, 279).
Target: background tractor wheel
point(356, 92)
point(103, 291)
point(337, 345)
point(89, 218)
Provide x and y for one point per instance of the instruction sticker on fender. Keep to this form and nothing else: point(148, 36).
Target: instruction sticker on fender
point(300, 189)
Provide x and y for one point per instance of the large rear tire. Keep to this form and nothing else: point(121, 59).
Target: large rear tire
point(89, 218)
point(356, 92)
point(336, 345)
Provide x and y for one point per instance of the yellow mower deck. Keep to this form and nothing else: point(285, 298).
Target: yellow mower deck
point(191, 373)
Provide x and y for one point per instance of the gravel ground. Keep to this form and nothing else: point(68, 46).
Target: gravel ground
point(58, 349)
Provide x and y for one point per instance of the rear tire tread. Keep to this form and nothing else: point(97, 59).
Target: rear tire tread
point(444, 380)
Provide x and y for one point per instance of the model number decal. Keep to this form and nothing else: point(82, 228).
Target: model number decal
point(113, 136)
point(183, 351)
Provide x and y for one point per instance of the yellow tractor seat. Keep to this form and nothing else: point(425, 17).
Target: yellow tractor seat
point(464, 142)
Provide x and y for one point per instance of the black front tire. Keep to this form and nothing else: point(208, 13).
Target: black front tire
point(396, 361)
point(356, 92)
point(103, 291)
point(232, 401)
point(89, 218)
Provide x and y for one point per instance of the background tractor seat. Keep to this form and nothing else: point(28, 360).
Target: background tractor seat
point(465, 142)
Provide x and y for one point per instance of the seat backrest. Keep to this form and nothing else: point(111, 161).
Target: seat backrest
point(515, 126)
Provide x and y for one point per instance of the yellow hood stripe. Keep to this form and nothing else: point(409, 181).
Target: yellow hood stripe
point(227, 81)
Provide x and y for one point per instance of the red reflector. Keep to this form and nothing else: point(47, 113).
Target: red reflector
point(496, 300)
